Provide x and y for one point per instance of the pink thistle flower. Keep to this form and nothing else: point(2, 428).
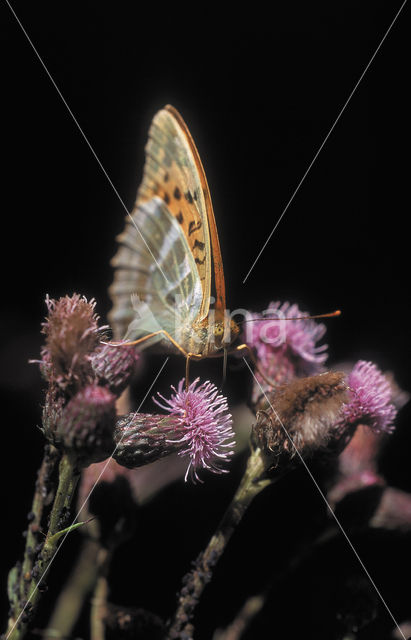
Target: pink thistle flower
point(283, 338)
point(370, 399)
point(207, 426)
point(285, 347)
point(72, 335)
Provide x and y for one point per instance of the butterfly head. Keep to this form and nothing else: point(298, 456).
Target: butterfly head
point(224, 332)
point(209, 337)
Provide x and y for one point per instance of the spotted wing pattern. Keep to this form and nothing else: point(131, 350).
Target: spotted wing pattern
point(173, 171)
point(173, 174)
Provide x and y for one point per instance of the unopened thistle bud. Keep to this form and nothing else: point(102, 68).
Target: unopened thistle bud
point(299, 417)
point(86, 424)
point(114, 366)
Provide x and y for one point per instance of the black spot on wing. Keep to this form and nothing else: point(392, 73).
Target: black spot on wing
point(198, 245)
point(180, 218)
point(188, 197)
point(177, 193)
point(194, 226)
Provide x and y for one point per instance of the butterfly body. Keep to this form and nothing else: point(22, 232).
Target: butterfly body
point(207, 338)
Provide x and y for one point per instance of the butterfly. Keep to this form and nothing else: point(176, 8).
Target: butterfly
point(169, 262)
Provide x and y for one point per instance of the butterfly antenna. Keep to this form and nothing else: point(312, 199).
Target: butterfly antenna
point(331, 314)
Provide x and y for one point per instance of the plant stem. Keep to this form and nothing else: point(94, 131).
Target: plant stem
point(68, 477)
point(40, 495)
point(194, 582)
point(27, 604)
point(80, 584)
point(20, 574)
point(99, 601)
point(239, 625)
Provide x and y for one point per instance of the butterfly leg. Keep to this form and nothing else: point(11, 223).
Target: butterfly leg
point(245, 347)
point(188, 356)
point(133, 343)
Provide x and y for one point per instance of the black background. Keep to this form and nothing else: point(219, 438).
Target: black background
point(259, 92)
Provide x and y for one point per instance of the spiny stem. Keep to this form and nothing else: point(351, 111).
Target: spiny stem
point(26, 607)
point(251, 484)
point(20, 575)
point(40, 494)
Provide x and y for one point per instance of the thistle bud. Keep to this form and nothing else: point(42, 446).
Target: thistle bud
point(114, 366)
point(300, 417)
point(141, 438)
point(86, 424)
point(199, 426)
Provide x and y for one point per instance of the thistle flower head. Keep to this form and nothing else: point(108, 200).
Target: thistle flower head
point(286, 347)
point(72, 335)
point(207, 434)
point(299, 417)
point(280, 335)
point(370, 399)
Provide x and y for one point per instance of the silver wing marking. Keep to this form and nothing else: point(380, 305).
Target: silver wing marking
point(144, 300)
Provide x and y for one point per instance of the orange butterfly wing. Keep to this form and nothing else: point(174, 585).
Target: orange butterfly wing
point(173, 171)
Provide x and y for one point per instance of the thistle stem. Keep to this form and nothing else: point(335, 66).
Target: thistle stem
point(79, 585)
point(68, 477)
point(20, 575)
point(241, 622)
point(99, 601)
point(30, 593)
point(40, 495)
point(251, 484)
